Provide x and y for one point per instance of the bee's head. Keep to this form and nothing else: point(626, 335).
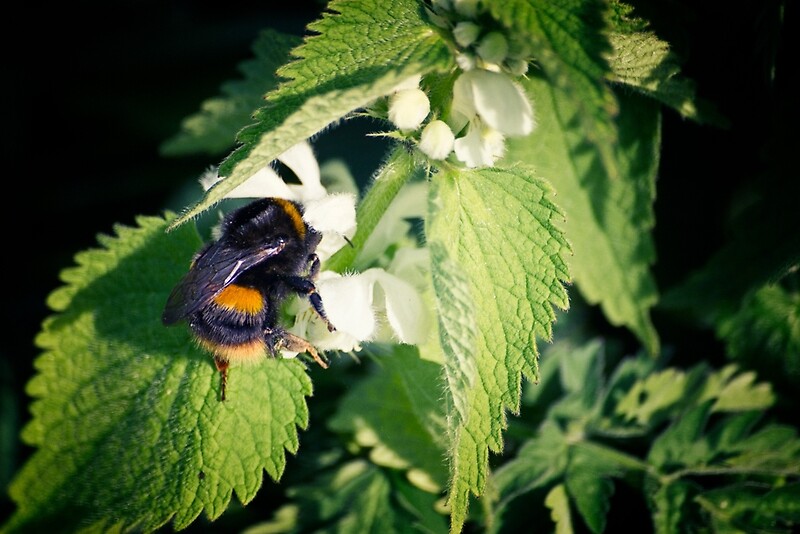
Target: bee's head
point(265, 222)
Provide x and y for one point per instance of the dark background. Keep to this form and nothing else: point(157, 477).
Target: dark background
point(92, 90)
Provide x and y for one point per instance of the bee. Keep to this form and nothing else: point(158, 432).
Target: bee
point(232, 293)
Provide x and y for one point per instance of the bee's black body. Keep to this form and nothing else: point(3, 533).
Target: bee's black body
point(235, 285)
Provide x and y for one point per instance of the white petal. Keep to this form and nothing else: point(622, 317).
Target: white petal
point(500, 102)
point(209, 178)
point(309, 326)
point(264, 183)
point(348, 303)
point(463, 99)
point(301, 159)
point(404, 308)
point(332, 213)
point(480, 147)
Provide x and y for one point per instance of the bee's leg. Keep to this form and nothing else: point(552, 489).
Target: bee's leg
point(298, 344)
point(307, 287)
point(316, 303)
point(222, 367)
point(313, 269)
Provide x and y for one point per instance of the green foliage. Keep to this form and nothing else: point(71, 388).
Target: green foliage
point(339, 70)
point(475, 217)
point(610, 218)
point(690, 467)
point(555, 242)
point(127, 420)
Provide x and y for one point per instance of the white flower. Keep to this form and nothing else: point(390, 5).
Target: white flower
point(436, 140)
point(266, 182)
point(335, 217)
point(373, 305)
point(496, 99)
point(408, 108)
point(481, 147)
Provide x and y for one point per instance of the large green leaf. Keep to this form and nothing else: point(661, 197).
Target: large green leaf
point(127, 422)
point(608, 219)
point(498, 229)
point(360, 51)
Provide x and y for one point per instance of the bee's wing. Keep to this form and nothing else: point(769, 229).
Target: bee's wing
point(214, 269)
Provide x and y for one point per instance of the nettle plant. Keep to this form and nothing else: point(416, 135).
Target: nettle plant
point(525, 139)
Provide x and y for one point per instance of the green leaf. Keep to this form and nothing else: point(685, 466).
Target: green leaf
point(498, 229)
point(126, 421)
point(764, 332)
point(213, 129)
point(360, 51)
point(539, 461)
point(640, 60)
point(682, 443)
point(750, 508)
point(405, 390)
point(558, 503)
point(669, 502)
point(581, 373)
point(609, 219)
point(737, 392)
point(589, 484)
point(774, 448)
point(353, 499)
point(568, 42)
point(457, 329)
point(657, 392)
point(356, 497)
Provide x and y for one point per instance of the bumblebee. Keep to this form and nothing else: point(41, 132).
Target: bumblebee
point(235, 285)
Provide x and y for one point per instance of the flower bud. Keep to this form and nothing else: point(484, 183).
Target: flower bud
point(517, 67)
point(493, 48)
point(408, 108)
point(465, 33)
point(436, 140)
point(467, 8)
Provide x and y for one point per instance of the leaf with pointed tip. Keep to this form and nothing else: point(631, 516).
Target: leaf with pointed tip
point(126, 420)
point(609, 220)
point(642, 61)
point(558, 503)
point(500, 231)
point(360, 51)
